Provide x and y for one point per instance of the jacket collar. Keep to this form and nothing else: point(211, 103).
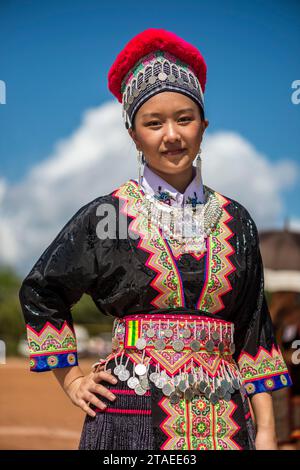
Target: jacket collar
point(159, 188)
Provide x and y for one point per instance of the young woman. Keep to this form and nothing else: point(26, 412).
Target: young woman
point(179, 267)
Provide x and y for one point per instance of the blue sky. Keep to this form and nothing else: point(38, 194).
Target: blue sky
point(55, 56)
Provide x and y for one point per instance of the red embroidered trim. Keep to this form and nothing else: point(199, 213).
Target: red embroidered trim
point(124, 411)
point(127, 392)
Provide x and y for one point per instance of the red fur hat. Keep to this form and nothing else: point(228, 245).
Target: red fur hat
point(148, 41)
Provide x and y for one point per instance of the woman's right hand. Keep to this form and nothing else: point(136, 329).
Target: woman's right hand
point(82, 391)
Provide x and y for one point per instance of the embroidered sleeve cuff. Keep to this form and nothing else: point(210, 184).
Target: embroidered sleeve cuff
point(267, 384)
point(52, 348)
point(265, 372)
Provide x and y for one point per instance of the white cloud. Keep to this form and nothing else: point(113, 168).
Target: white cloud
point(235, 168)
point(294, 225)
point(98, 157)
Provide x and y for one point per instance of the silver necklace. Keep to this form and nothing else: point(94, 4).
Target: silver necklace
point(188, 225)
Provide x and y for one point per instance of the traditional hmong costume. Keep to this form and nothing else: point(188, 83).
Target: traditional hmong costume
point(192, 335)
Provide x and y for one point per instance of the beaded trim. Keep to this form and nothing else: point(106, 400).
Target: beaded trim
point(191, 221)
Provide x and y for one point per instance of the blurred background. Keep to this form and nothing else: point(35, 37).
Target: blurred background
point(63, 143)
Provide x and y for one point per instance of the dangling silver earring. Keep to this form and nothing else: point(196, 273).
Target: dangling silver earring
point(198, 167)
point(141, 160)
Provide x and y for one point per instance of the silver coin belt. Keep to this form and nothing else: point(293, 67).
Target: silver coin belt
point(205, 337)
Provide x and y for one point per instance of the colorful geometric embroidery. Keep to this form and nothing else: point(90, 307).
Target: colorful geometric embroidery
point(170, 360)
point(267, 371)
point(189, 425)
point(179, 249)
point(167, 281)
point(161, 259)
point(199, 425)
point(218, 264)
point(137, 326)
point(195, 424)
point(124, 411)
point(51, 347)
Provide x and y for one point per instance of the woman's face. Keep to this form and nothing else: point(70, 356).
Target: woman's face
point(168, 121)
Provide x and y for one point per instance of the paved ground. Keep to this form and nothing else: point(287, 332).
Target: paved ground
point(35, 413)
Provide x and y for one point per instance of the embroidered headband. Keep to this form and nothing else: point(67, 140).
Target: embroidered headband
point(154, 61)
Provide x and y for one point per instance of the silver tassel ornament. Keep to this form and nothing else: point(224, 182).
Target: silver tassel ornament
point(141, 160)
point(198, 168)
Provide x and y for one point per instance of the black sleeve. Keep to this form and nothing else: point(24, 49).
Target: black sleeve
point(63, 273)
point(259, 358)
